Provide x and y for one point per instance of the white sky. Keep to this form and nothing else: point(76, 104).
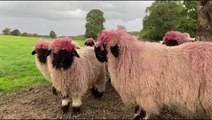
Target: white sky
point(68, 17)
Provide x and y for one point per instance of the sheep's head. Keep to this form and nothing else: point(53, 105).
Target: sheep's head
point(41, 48)
point(62, 51)
point(174, 38)
point(89, 42)
point(108, 42)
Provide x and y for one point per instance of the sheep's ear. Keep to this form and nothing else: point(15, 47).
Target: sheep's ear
point(115, 50)
point(48, 53)
point(33, 52)
point(76, 54)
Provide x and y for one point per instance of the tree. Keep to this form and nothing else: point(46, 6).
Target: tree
point(52, 34)
point(15, 32)
point(188, 22)
point(25, 34)
point(204, 29)
point(6, 31)
point(94, 25)
point(164, 16)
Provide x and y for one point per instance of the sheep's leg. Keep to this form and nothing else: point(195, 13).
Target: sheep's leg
point(96, 93)
point(76, 103)
point(140, 114)
point(54, 91)
point(65, 104)
point(98, 88)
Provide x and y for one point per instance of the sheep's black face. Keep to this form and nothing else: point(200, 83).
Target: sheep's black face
point(101, 53)
point(172, 43)
point(63, 59)
point(89, 44)
point(115, 50)
point(41, 54)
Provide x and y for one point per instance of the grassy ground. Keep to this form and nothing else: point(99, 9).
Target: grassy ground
point(17, 65)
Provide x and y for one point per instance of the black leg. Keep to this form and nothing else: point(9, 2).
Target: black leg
point(96, 93)
point(140, 114)
point(65, 104)
point(76, 110)
point(54, 91)
point(109, 80)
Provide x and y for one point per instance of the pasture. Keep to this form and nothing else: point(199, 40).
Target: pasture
point(25, 94)
point(17, 66)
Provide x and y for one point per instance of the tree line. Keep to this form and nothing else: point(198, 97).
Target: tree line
point(16, 32)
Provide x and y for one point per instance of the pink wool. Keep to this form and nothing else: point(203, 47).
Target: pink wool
point(178, 36)
point(42, 44)
point(62, 44)
point(105, 36)
point(152, 75)
point(89, 40)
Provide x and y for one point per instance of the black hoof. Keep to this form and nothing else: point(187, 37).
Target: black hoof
point(76, 110)
point(54, 91)
point(140, 113)
point(138, 117)
point(96, 93)
point(65, 108)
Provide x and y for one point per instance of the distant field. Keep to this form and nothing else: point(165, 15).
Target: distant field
point(17, 65)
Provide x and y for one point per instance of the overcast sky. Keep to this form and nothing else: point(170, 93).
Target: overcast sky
point(68, 17)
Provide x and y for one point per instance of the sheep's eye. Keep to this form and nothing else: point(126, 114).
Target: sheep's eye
point(115, 50)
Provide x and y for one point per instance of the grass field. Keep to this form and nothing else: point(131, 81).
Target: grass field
point(17, 65)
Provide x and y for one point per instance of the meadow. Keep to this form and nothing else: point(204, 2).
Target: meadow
point(17, 65)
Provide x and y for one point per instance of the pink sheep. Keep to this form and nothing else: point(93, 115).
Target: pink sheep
point(74, 71)
point(152, 75)
point(174, 38)
point(40, 49)
point(89, 42)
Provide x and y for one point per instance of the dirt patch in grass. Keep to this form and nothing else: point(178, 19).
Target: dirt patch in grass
point(40, 103)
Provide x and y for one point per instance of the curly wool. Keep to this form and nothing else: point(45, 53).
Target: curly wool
point(152, 75)
point(61, 44)
point(41, 44)
point(89, 40)
point(85, 72)
point(43, 68)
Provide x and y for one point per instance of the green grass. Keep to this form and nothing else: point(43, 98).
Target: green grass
point(17, 65)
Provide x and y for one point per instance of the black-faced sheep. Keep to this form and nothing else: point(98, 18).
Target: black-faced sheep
point(74, 71)
point(89, 42)
point(152, 75)
point(174, 38)
point(40, 49)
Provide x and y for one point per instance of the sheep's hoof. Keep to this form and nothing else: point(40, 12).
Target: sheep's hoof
point(96, 93)
point(140, 114)
point(65, 108)
point(54, 91)
point(76, 110)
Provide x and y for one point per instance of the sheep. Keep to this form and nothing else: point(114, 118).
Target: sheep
point(154, 76)
point(174, 38)
point(40, 49)
point(89, 42)
point(74, 71)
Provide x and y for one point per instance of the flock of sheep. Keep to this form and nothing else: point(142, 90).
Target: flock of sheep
point(148, 75)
